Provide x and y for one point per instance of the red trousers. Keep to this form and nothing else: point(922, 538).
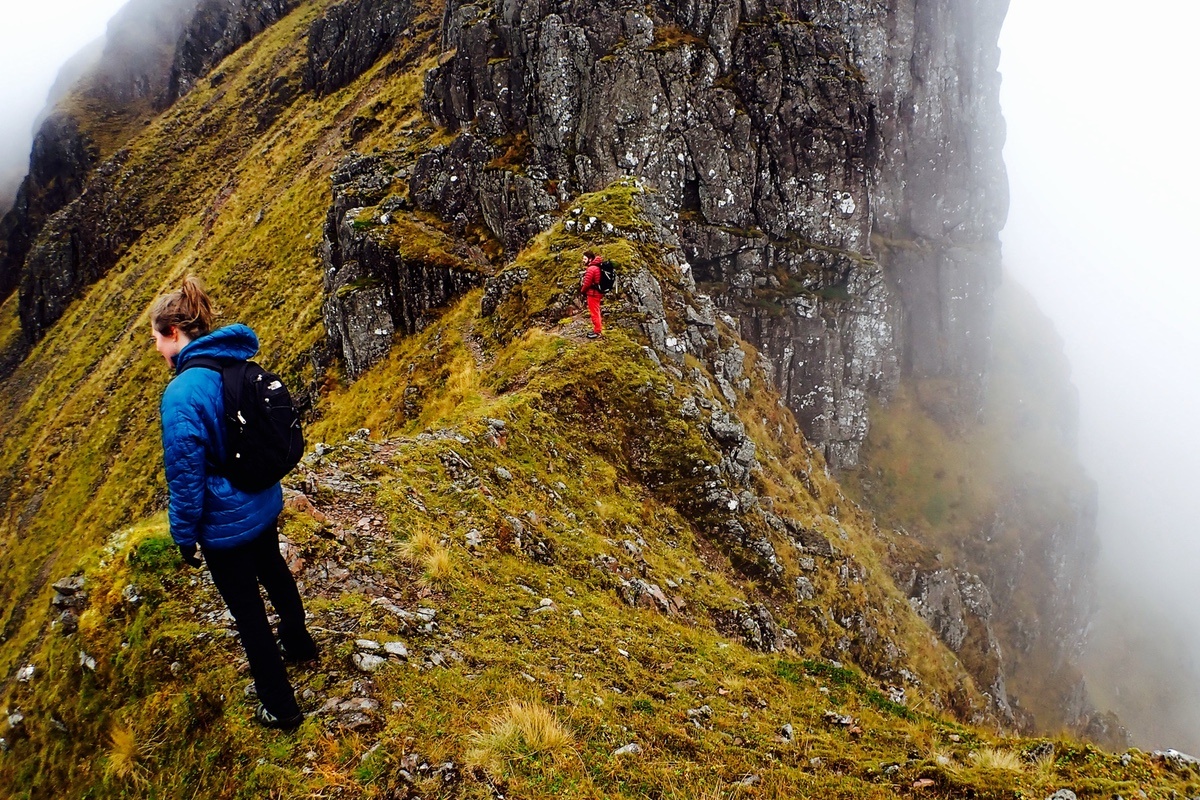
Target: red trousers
point(593, 299)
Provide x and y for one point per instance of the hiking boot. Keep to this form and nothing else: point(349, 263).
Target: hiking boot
point(269, 720)
point(304, 658)
point(593, 335)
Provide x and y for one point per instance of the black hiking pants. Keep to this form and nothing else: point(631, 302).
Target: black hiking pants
point(237, 572)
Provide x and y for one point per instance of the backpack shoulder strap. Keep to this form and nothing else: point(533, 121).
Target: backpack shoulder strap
point(234, 376)
point(205, 362)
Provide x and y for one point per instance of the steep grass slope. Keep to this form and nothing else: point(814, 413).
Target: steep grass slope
point(514, 542)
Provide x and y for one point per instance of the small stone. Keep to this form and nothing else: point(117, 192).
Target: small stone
point(1063, 794)
point(954, 737)
point(546, 602)
point(368, 662)
point(575, 612)
point(87, 662)
point(923, 783)
point(503, 474)
point(474, 539)
point(69, 586)
point(25, 674)
point(131, 595)
point(631, 749)
point(15, 719)
point(748, 781)
point(787, 732)
point(396, 649)
point(367, 644)
point(69, 621)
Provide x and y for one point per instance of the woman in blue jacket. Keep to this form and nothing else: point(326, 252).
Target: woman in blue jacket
point(237, 531)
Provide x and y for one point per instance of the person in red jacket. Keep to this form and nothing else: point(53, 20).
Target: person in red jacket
point(590, 288)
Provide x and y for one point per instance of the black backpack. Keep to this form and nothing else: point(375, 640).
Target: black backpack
point(608, 276)
point(263, 440)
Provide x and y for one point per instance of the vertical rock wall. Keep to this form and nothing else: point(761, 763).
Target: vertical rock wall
point(835, 166)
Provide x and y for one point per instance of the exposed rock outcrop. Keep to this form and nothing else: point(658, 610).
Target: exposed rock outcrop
point(58, 167)
point(959, 608)
point(386, 271)
point(216, 29)
point(349, 38)
point(76, 247)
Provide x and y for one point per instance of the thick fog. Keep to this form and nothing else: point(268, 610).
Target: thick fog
point(36, 40)
point(1102, 159)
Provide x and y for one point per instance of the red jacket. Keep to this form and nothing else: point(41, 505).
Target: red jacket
point(591, 278)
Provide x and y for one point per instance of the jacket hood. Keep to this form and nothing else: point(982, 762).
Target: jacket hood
point(232, 342)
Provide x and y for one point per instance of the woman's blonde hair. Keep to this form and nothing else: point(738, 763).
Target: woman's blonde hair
point(187, 308)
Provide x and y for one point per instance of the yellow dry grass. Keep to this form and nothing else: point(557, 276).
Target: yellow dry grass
point(125, 756)
point(519, 732)
point(439, 567)
point(418, 547)
point(995, 758)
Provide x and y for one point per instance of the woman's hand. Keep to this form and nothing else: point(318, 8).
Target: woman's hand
point(190, 555)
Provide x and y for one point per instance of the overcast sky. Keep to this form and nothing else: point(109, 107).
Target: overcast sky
point(1100, 102)
point(1100, 99)
point(35, 40)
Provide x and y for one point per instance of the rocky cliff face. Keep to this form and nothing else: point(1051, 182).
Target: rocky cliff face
point(215, 29)
point(835, 166)
point(386, 272)
point(58, 167)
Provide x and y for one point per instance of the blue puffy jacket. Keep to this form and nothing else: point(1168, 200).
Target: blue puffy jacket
point(204, 506)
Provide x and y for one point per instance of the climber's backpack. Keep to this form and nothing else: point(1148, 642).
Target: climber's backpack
point(263, 440)
point(608, 277)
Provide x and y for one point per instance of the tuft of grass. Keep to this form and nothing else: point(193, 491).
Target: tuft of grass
point(419, 547)
point(438, 567)
point(520, 732)
point(125, 757)
point(995, 758)
point(1043, 767)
